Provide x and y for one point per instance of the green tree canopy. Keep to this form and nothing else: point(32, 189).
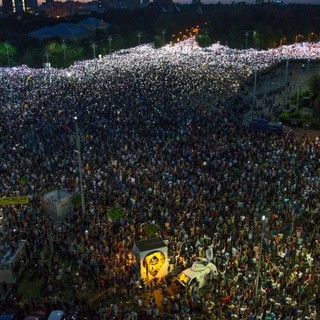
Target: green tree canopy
point(151, 229)
point(7, 53)
point(63, 54)
point(203, 40)
point(264, 37)
point(115, 213)
point(158, 42)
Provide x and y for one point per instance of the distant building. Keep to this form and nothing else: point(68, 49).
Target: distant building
point(94, 24)
point(65, 31)
point(31, 5)
point(125, 4)
point(70, 31)
point(87, 8)
point(69, 8)
point(59, 9)
point(18, 6)
point(13, 6)
point(7, 6)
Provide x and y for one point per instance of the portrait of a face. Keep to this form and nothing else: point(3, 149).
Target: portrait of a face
point(153, 262)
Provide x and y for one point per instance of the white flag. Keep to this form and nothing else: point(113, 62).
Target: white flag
point(209, 254)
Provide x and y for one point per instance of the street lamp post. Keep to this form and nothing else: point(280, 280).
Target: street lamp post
point(110, 40)
point(163, 35)
point(79, 165)
point(172, 39)
point(298, 96)
point(282, 40)
point(64, 53)
point(47, 55)
point(247, 33)
point(48, 64)
point(139, 35)
point(299, 90)
point(310, 36)
point(263, 218)
point(298, 36)
point(93, 46)
point(286, 73)
point(255, 86)
point(286, 80)
point(78, 147)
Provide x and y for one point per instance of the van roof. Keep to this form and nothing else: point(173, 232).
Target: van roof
point(56, 315)
point(192, 272)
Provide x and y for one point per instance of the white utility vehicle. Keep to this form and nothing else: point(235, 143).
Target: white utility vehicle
point(197, 275)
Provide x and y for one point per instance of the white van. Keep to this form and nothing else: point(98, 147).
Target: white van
point(57, 315)
point(200, 272)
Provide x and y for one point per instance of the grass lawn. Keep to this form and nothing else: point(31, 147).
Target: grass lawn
point(28, 288)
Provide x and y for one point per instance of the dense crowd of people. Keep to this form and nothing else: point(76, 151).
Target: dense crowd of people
point(158, 141)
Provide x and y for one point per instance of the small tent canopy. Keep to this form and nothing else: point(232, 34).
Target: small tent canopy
point(57, 203)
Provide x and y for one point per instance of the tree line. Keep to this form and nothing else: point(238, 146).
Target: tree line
point(237, 25)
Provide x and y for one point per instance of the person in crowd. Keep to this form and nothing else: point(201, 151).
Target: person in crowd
point(159, 139)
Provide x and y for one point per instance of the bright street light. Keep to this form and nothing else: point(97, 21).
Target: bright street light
point(93, 46)
point(139, 35)
point(246, 34)
point(78, 147)
point(298, 36)
point(263, 219)
point(282, 40)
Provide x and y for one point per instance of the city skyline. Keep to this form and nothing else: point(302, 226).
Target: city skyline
point(250, 1)
point(316, 2)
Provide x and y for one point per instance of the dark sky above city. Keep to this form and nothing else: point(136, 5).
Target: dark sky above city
point(252, 1)
point(227, 1)
point(317, 2)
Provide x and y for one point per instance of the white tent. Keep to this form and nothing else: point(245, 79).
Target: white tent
point(57, 203)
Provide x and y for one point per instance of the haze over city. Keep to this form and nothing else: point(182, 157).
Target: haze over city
point(317, 2)
point(253, 1)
